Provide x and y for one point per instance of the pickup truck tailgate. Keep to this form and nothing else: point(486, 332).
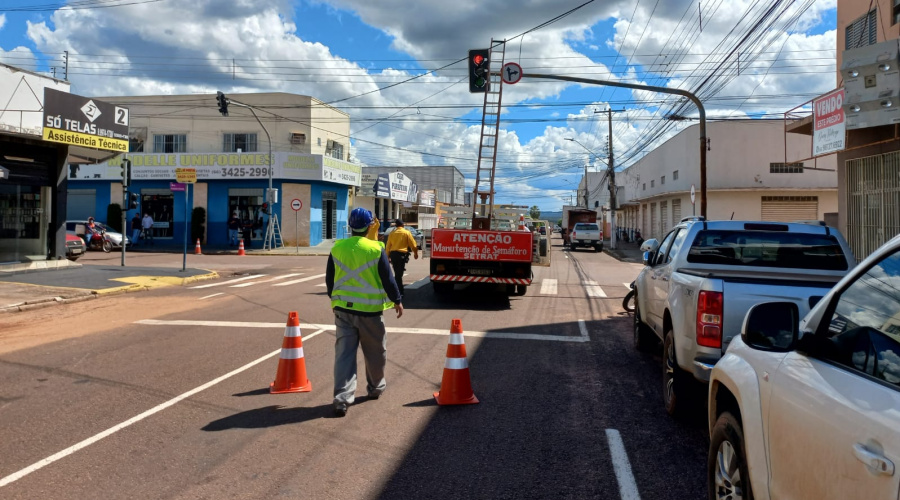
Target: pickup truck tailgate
point(740, 294)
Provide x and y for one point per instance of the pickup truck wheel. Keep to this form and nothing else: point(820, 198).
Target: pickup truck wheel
point(726, 464)
point(644, 340)
point(675, 383)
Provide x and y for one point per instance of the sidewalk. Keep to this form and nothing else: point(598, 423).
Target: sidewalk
point(322, 249)
point(625, 252)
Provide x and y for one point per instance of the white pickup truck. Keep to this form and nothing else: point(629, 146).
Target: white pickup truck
point(698, 284)
point(586, 234)
point(810, 408)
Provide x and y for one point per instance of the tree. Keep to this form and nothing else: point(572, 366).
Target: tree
point(534, 212)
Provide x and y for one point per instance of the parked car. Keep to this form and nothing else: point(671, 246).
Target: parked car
point(78, 227)
point(75, 246)
point(811, 408)
point(698, 284)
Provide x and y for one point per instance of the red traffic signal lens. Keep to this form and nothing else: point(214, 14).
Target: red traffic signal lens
point(478, 59)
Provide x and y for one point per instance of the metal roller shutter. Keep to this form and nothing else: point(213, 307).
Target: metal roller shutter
point(644, 220)
point(790, 208)
point(676, 211)
point(663, 217)
point(652, 220)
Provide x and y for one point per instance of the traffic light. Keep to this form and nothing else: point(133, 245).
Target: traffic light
point(479, 70)
point(223, 103)
point(132, 201)
point(126, 172)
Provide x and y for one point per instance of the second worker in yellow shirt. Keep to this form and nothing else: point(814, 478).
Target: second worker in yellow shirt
point(399, 244)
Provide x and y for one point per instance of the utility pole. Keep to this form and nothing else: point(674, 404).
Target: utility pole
point(586, 186)
point(612, 188)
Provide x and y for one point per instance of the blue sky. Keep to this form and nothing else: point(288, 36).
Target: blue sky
point(344, 48)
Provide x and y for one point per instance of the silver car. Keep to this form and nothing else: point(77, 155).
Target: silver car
point(114, 237)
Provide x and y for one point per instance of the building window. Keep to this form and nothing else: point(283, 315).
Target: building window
point(135, 145)
point(645, 186)
point(675, 175)
point(170, 143)
point(298, 139)
point(863, 31)
point(785, 168)
point(652, 183)
point(895, 15)
point(662, 180)
point(244, 142)
point(334, 150)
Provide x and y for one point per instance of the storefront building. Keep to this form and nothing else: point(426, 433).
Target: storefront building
point(32, 187)
point(230, 157)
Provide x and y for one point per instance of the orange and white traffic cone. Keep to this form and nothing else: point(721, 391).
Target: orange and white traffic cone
point(456, 386)
point(522, 223)
point(241, 248)
point(291, 374)
point(197, 250)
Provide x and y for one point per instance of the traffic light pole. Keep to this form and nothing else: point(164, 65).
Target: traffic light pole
point(270, 233)
point(661, 90)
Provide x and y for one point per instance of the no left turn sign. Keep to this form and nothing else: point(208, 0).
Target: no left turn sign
point(511, 73)
point(296, 204)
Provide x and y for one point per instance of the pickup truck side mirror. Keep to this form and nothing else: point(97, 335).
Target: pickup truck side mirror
point(772, 326)
point(649, 248)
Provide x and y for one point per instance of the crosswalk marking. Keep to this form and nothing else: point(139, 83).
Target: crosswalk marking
point(549, 287)
point(593, 289)
point(276, 278)
point(244, 278)
point(301, 280)
point(627, 285)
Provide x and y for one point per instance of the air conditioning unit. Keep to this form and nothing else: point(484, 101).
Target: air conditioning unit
point(298, 138)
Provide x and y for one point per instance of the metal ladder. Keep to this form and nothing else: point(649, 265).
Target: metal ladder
point(487, 148)
point(273, 234)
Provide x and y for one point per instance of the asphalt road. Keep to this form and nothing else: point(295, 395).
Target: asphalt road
point(156, 395)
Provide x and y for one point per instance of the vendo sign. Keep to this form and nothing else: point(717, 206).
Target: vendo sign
point(828, 124)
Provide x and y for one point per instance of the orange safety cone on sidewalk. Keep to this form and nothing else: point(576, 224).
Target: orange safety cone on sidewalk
point(456, 386)
point(522, 223)
point(197, 250)
point(241, 248)
point(291, 374)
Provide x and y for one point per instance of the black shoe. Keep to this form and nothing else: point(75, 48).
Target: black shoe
point(340, 411)
point(375, 395)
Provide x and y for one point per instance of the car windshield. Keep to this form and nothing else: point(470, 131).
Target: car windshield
point(586, 227)
point(768, 249)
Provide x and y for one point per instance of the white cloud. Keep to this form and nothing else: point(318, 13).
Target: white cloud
point(2, 20)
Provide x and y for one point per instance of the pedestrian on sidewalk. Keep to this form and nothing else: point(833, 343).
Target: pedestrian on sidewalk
point(234, 226)
point(147, 226)
point(399, 244)
point(359, 282)
point(135, 229)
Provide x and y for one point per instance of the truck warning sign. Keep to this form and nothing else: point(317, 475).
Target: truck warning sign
point(514, 246)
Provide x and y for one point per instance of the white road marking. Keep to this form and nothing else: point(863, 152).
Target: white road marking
point(627, 285)
point(133, 420)
point(244, 278)
point(593, 290)
point(583, 329)
point(276, 278)
point(211, 296)
point(622, 467)
point(583, 337)
point(549, 287)
point(322, 284)
point(301, 280)
point(418, 284)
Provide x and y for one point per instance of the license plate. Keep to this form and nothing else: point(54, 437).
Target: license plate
point(480, 272)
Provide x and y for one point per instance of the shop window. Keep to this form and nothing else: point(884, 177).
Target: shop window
point(247, 204)
point(785, 168)
point(160, 204)
point(169, 143)
point(244, 142)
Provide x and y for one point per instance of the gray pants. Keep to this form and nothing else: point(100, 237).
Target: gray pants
point(354, 331)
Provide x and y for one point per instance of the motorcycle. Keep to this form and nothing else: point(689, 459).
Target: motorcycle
point(100, 241)
point(628, 301)
point(637, 237)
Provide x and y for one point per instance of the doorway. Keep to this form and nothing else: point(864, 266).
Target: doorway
point(329, 214)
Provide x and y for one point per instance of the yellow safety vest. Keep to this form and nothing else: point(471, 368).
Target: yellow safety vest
point(357, 285)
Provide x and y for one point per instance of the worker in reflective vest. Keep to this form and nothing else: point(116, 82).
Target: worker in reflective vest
point(361, 288)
